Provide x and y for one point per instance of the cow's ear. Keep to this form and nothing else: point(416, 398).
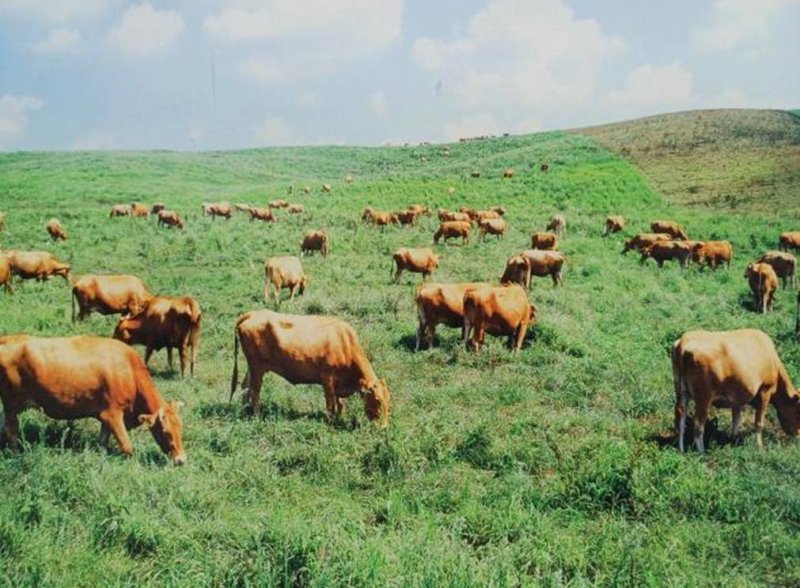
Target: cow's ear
point(148, 420)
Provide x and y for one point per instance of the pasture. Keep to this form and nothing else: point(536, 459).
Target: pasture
point(554, 466)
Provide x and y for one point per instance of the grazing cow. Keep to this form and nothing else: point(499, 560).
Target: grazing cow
point(544, 240)
point(308, 350)
point(349, 179)
point(499, 210)
point(614, 224)
point(306, 189)
point(643, 240)
point(366, 214)
point(789, 240)
point(470, 212)
point(121, 294)
point(383, 219)
point(670, 228)
point(445, 216)
point(419, 209)
point(422, 261)
point(764, 283)
point(55, 230)
point(164, 321)
point(214, 210)
point(5, 272)
point(492, 226)
point(784, 264)
point(712, 253)
point(284, 272)
point(453, 230)
point(498, 310)
point(295, 209)
point(241, 207)
point(485, 215)
point(158, 207)
point(120, 210)
point(169, 218)
point(139, 210)
point(327, 188)
point(79, 377)
point(662, 251)
point(731, 369)
point(558, 224)
point(280, 203)
point(315, 241)
point(508, 172)
point(440, 304)
point(407, 217)
point(262, 214)
point(475, 173)
point(38, 265)
point(534, 262)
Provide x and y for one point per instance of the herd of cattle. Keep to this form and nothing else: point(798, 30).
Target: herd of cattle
point(84, 376)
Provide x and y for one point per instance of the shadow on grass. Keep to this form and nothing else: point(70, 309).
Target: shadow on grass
point(748, 303)
point(713, 437)
point(273, 411)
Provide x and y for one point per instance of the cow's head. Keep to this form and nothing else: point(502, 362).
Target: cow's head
point(749, 270)
point(646, 252)
point(126, 329)
point(166, 427)
point(376, 400)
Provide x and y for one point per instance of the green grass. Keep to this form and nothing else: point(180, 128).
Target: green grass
point(548, 467)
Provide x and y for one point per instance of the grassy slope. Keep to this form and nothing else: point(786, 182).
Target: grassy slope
point(540, 467)
point(741, 160)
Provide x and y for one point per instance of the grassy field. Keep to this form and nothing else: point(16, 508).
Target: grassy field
point(555, 466)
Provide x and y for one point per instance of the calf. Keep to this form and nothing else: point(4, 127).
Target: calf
point(614, 224)
point(170, 218)
point(55, 230)
point(557, 224)
point(420, 260)
point(544, 240)
point(712, 253)
point(120, 210)
point(453, 230)
point(784, 264)
point(662, 251)
point(492, 226)
point(789, 240)
point(643, 240)
point(498, 310)
point(284, 272)
point(120, 294)
point(764, 283)
point(440, 304)
point(263, 214)
point(671, 228)
point(315, 241)
point(139, 210)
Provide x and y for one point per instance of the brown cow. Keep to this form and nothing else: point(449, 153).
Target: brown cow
point(164, 321)
point(508, 172)
point(366, 214)
point(544, 240)
point(470, 212)
point(327, 188)
point(241, 207)
point(534, 262)
point(440, 304)
point(139, 210)
point(38, 265)
point(419, 209)
point(407, 217)
point(308, 350)
point(731, 369)
point(306, 189)
point(262, 214)
point(169, 218)
point(158, 207)
point(764, 283)
point(349, 179)
point(453, 230)
point(55, 230)
point(421, 260)
point(284, 272)
point(485, 215)
point(295, 209)
point(315, 241)
point(498, 310)
point(445, 215)
point(492, 226)
point(120, 294)
point(79, 377)
point(280, 203)
point(499, 210)
point(223, 209)
point(643, 240)
point(670, 228)
point(712, 253)
point(383, 219)
point(784, 264)
point(789, 240)
point(120, 210)
point(475, 173)
point(5, 272)
point(557, 224)
point(662, 251)
point(614, 224)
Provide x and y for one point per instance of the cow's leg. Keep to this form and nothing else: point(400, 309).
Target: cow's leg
point(330, 397)
point(700, 416)
point(736, 422)
point(105, 432)
point(169, 356)
point(397, 273)
point(762, 403)
point(148, 352)
point(256, 378)
point(521, 330)
point(11, 428)
point(430, 333)
point(115, 421)
point(183, 352)
point(420, 333)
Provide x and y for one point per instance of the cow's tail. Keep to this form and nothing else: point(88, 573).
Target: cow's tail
point(194, 331)
point(235, 376)
point(73, 297)
point(469, 317)
point(797, 318)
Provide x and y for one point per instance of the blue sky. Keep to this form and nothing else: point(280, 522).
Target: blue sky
point(223, 74)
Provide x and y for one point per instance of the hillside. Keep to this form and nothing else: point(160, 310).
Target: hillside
point(738, 160)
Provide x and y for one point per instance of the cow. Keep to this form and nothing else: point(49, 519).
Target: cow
point(492, 226)
point(470, 212)
point(383, 219)
point(241, 207)
point(327, 188)
point(445, 216)
point(669, 227)
point(164, 321)
point(120, 210)
point(764, 283)
point(280, 203)
point(498, 310)
point(349, 179)
point(712, 253)
point(308, 350)
point(440, 304)
point(223, 209)
point(407, 217)
point(366, 214)
point(534, 262)
point(306, 189)
point(295, 209)
point(643, 240)
point(422, 261)
point(557, 224)
point(485, 215)
point(5, 273)
point(453, 230)
point(544, 167)
point(158, 207)
point(263, 214)
point(419, 209)
point(451, 190)
point(38, 265)
point(475, 173)
point(169, 218)
point(315, 241)
point(544, 240)
point(731, 369)
point(284, 272)
point(789, 240)
point(784, 264)
point(499, 210)
point(55, 230)
point(614, 224)
point(139, 210)
point(80, 377)
point(662, 251)
point(508, 172)
point(116, 294)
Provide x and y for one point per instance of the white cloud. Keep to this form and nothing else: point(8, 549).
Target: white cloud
point(144, 31)
point(59, 41)
point(736, 22)
point(274, 131)
point(53, 10)
point(263, 70)
point(655, 86)
point(377, 104)
point(307, 99)
point(14, 116)
point(98, 141)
